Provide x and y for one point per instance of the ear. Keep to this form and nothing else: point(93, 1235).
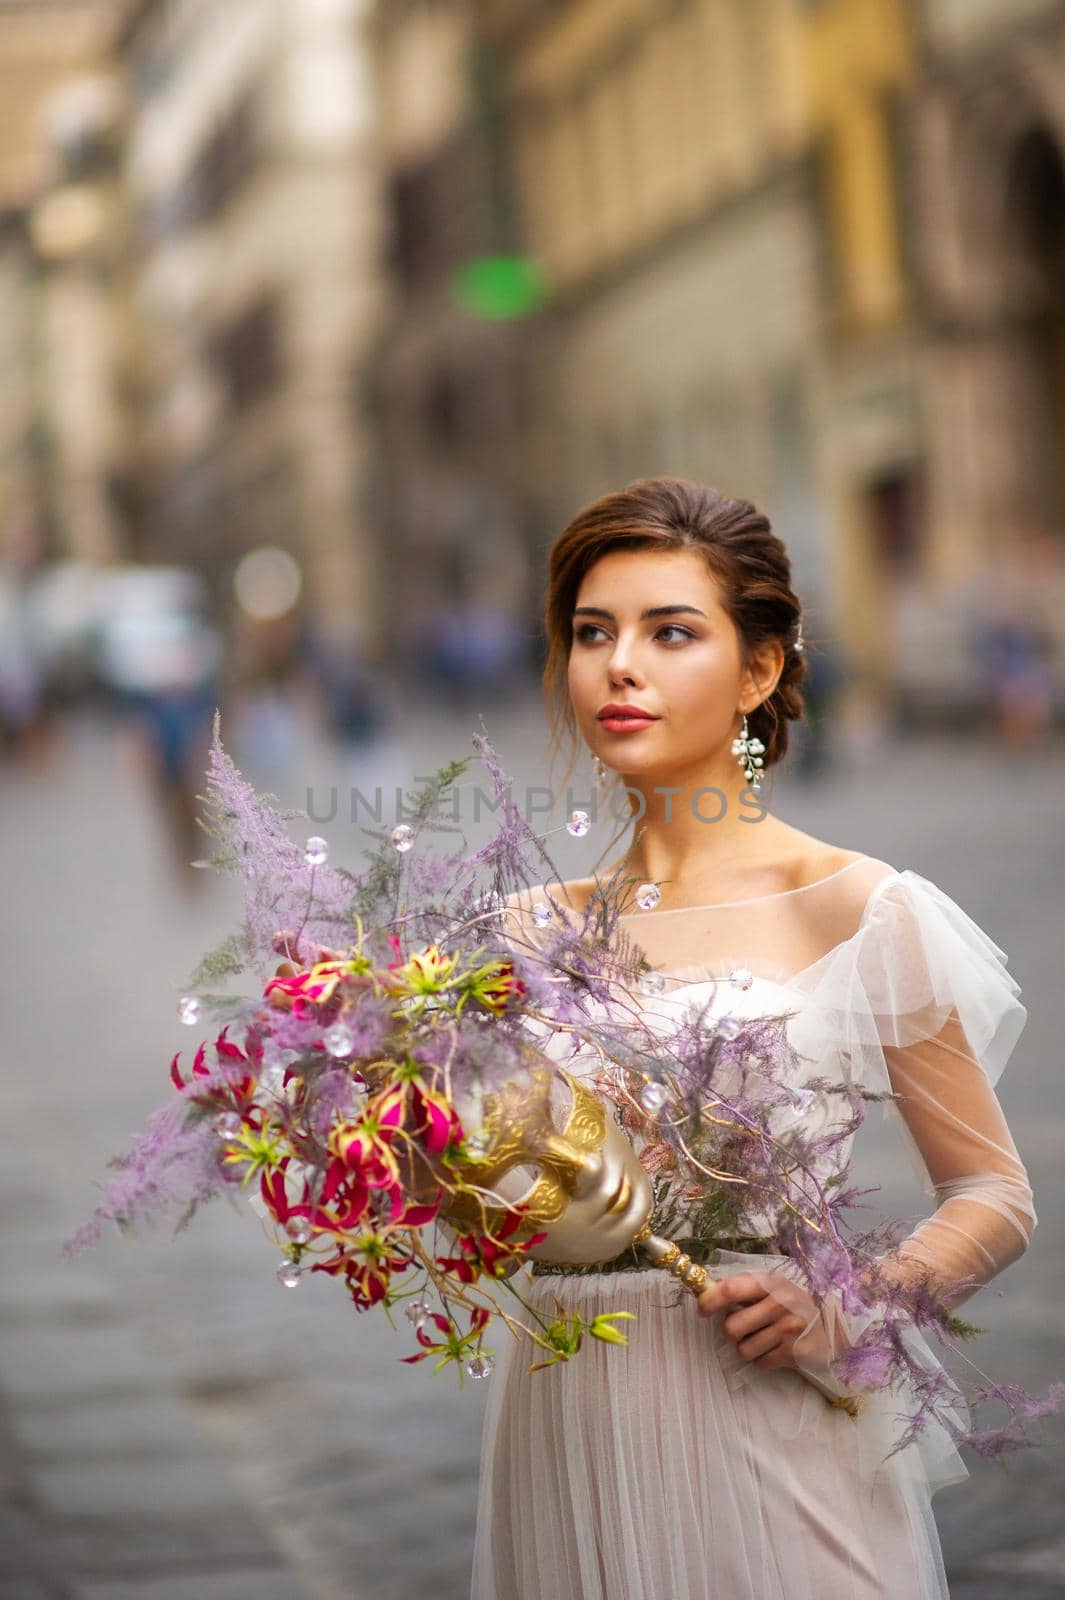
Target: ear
point(762, 673)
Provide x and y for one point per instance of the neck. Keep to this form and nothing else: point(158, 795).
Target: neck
point(691, 826)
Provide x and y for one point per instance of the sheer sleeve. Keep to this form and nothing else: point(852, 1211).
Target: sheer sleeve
point(947, 1015)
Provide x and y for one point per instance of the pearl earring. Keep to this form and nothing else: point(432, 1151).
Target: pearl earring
point(750, 752)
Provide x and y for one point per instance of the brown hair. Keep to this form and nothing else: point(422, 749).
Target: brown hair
point(749, 561)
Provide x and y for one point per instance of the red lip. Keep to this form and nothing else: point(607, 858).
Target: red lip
point(615, 712)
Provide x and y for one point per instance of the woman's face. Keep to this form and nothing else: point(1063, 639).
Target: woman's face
point(649, 631)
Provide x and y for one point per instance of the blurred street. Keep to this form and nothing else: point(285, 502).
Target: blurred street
point(174, 1424)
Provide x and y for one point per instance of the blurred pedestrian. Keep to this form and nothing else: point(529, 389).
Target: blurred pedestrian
point(159, 656)
point(1013, 647)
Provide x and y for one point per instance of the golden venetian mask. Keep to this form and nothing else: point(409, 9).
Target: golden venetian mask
point(547, 1143)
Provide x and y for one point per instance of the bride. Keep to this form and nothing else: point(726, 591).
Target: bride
point(696, 1461)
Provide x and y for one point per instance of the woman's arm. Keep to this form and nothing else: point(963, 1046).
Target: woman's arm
point(985, 1217)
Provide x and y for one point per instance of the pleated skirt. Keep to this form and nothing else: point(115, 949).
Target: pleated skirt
point(673, 1469)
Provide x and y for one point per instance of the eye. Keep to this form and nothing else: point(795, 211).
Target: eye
point(583, 632)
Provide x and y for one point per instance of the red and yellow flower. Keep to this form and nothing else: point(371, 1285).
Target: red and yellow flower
point(495, 986)
point(454, 1346)
point(367, 1260)
point(423, 975)
point(318, 984)
point(490, 1253)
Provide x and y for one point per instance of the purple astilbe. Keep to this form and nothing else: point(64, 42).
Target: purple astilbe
point(252, 842)
point(172, 1169)
point(994, 1444)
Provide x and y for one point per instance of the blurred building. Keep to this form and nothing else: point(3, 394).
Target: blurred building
point(59, 201)
point(448, 377)
point(987, 159)
point(23, 479)
point(253, 292)
point(772, 253)
point(712, 188)
point(398, 287)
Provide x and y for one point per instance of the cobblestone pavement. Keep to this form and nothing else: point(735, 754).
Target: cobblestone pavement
point(176, 1426)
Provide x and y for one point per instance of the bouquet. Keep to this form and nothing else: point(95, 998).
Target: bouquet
point(396, 1101)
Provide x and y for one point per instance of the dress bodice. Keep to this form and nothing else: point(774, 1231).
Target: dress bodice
point(886, 985)
point(734, 993)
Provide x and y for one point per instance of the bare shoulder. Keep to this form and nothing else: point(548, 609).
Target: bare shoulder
point(795, 860)
point(822, 862)
point(850, 876)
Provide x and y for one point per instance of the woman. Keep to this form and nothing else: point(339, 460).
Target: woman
point(697, 1461)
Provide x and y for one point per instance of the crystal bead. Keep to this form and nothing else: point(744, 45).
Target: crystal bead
point(653, 1097)
point(477, 1143)
point(647, 896)
point(480, 1366)
point(578, 824)
point(417, 1312)
point(652, 983)
point(729, 1027)
point(741, 977)
point(541, 914)
point(802, 1100)
point(403, 837)
point(228, 1124)
point(339, 1039)
point(189, 1008)
point(299, 1230)
point(315, 851)
point(289, 1273)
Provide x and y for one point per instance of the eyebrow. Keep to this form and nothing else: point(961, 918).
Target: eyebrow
point(645, 616)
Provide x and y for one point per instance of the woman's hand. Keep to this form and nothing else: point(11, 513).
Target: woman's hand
point(765, 1326)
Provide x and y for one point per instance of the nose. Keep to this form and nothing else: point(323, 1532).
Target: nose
point(621, 669)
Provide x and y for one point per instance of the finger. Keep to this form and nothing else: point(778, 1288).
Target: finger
point(728, 1291)
point(763, 1314)
point(759, 1344)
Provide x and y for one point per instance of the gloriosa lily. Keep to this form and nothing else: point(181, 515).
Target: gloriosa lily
point(495, 985)
point(259, 1148)
point(426, 973)
point(434, 1123)
point(367, 1262)
point(489, 1253)
point(455, 1345)
point(235, 1093)
point(319, 983)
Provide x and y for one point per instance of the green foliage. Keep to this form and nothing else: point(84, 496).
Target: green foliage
point(226, 960)
point(958, 1326)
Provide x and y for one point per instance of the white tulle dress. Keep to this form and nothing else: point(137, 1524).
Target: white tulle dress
point(673, 1468)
